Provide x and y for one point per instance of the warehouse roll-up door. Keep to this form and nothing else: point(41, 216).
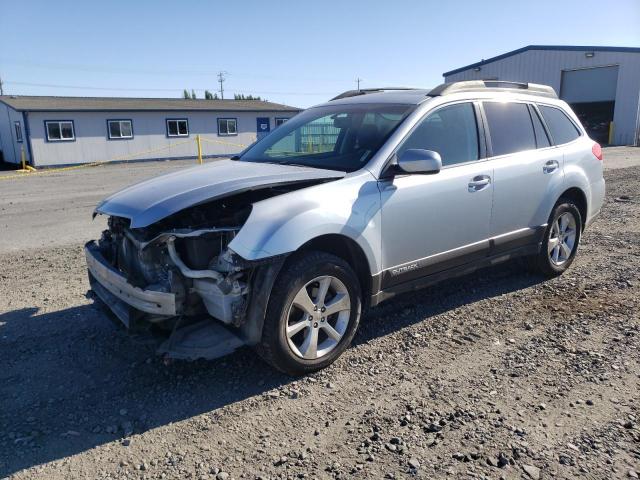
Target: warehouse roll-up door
point(591, 92)
point(589, 85)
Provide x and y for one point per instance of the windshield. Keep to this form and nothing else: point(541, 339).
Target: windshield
point(335, 137)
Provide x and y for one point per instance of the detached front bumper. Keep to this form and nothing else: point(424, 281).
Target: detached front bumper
point(114, 290)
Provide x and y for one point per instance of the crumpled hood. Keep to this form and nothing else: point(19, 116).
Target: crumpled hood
point(152, 200)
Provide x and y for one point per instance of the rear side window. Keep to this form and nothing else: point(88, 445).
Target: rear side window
point(562, 129)
point(510, 127)
point(542, 140)
point(451, 131)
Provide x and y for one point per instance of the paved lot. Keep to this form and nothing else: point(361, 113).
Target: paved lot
point(621, 157)
point(52, 209)
point(500, 374)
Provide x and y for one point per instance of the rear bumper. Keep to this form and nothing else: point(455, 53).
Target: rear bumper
point(598, 190)
point(113, 289)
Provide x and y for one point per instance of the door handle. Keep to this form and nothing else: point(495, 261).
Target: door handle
point(478, 183)
point(551, 166)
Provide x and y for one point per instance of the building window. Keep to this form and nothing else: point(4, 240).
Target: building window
point(227, 126)
point(60, 130)
point(177, 127)
point(119, 129)
point(18, 128)
point(280, 121)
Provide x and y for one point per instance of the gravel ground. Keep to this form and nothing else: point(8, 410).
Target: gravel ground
point(496, 375)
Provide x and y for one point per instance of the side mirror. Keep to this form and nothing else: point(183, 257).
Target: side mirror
point(416, 160)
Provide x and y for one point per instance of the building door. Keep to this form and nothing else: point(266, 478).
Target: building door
point(591, 92)
point(263, 127)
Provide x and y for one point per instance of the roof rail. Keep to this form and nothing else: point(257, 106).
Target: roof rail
point(493, 86)
point(364, 91)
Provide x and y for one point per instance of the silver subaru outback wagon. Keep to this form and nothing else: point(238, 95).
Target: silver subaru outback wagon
point(351, 202)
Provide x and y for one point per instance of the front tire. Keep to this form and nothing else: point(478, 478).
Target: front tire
point(560, 241)
point(313, 313)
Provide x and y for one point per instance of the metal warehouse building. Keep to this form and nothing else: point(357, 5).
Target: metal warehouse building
point(602, 84)
point(72, 130)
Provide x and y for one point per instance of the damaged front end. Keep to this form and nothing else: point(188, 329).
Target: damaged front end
point(178, 273)
point(165, 261)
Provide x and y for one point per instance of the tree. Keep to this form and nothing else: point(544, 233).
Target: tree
point(210, 96)
point(193, 94)
point(185, 94)
point(242, 96)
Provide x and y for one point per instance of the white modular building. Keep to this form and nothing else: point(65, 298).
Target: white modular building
point(74, 130)
point(602, 84)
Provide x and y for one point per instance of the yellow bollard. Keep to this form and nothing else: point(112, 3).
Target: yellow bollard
point(199, 149)
point(610, 133)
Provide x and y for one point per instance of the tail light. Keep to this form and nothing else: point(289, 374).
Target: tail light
point(597, 151)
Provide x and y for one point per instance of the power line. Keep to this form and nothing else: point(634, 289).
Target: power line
point(129, 89)
point(130, 71)
point(85, 87)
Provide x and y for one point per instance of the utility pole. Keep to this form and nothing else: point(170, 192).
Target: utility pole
point(1, 89)
point(221, 79)
point(358, 80)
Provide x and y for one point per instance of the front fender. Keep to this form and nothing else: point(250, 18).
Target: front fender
point(280, 225)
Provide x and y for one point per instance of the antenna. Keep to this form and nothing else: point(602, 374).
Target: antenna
point(221, 78)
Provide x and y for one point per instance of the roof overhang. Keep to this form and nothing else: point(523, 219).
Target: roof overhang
point(571, 48)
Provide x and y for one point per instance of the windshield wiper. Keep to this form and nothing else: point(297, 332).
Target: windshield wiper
point(285, 162)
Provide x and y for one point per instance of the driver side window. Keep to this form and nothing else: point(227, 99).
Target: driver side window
point(451, 131)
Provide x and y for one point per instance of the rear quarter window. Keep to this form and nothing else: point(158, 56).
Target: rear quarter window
point(561, 128)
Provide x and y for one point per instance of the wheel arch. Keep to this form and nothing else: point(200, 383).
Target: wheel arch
point(578, 197)
point(336, 244)
point(350, 251)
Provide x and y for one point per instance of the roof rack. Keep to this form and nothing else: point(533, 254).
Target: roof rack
point(493, 86)
point(364, 91)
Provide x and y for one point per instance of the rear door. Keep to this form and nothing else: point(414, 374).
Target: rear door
point(527, 172)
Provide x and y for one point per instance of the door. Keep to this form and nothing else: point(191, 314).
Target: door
point(434, 222)
point(263, 127)
point(527, 173)
point(591, 92)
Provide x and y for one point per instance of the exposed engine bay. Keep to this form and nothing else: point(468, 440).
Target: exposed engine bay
point(186, 255)
point(166, 263)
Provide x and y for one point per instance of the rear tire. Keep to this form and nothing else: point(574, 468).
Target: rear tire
point(560, 242)
point(313, 313)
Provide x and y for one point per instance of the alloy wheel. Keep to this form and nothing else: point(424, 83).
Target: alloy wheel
point(318, 317)
point(562, 239)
